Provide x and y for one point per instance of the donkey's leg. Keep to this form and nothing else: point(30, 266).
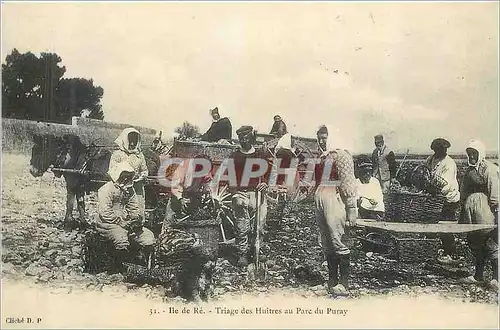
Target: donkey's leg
point(68, 219)
point(70, 202)
point(80, 202)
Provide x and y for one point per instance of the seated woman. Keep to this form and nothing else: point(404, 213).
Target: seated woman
point(119, 218)
point(370, 197)
point(177, 244)
point(189, 191)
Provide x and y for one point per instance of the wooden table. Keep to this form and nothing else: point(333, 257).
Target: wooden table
point(440, 227)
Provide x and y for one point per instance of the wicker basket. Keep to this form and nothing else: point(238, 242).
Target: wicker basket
point(97, 253)
point(208, 232)
point(408, 250)
point(412, 207)
point(216, 152)
point(416, 250)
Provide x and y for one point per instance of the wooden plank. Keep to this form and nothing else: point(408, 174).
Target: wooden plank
point(441, 227)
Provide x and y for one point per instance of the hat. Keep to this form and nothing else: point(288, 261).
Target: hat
point(244, 130)
point(214, 110)
point(379, 137)
point(277, 117)
point(322, 129)
point(440, 143)
point(365, 163)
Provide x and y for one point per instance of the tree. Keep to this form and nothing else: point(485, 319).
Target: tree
point(25, 89)
point(187, 130)
point(23, 78)
point(78, 95)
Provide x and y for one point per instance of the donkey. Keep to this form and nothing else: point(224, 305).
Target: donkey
point(84, 169)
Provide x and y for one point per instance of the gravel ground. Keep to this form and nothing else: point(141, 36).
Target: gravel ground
point(35, 251)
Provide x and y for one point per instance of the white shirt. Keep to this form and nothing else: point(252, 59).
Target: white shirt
point(447, 170)
point(371, 190)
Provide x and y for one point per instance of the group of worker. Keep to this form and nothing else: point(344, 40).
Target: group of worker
point(474, 201)
point(121, 203)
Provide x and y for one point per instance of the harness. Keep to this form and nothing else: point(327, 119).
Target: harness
point(47, 146)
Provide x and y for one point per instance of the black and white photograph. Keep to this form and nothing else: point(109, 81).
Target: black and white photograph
point(240, 164)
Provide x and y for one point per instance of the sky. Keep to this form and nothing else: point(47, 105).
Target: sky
point(412, 71)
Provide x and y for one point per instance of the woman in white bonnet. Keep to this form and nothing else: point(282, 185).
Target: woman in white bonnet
point(129, 144)
point(479, 201)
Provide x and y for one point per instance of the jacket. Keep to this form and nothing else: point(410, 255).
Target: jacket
point(220, 129)
point(384, 164)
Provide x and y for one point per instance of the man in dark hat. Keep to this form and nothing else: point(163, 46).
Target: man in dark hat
point(370, 197)
point(279, 127)
point(443, 169)
point(221, 128)
point(384, 163)
point(244, 199)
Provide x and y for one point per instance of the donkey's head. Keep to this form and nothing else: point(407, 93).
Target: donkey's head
point(47, 150)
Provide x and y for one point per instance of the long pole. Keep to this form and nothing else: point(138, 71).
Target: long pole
point(402, 162)
point(48, 90)
point(257, 231)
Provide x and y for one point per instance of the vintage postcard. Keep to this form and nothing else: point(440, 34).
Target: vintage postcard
point(249, 165)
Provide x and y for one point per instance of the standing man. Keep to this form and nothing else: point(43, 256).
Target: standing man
point(444, 169)
point(335, 200)
point(221, 128)
point(244, 199)
point(479, 200)
point(279, 127)
point(384, 163)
